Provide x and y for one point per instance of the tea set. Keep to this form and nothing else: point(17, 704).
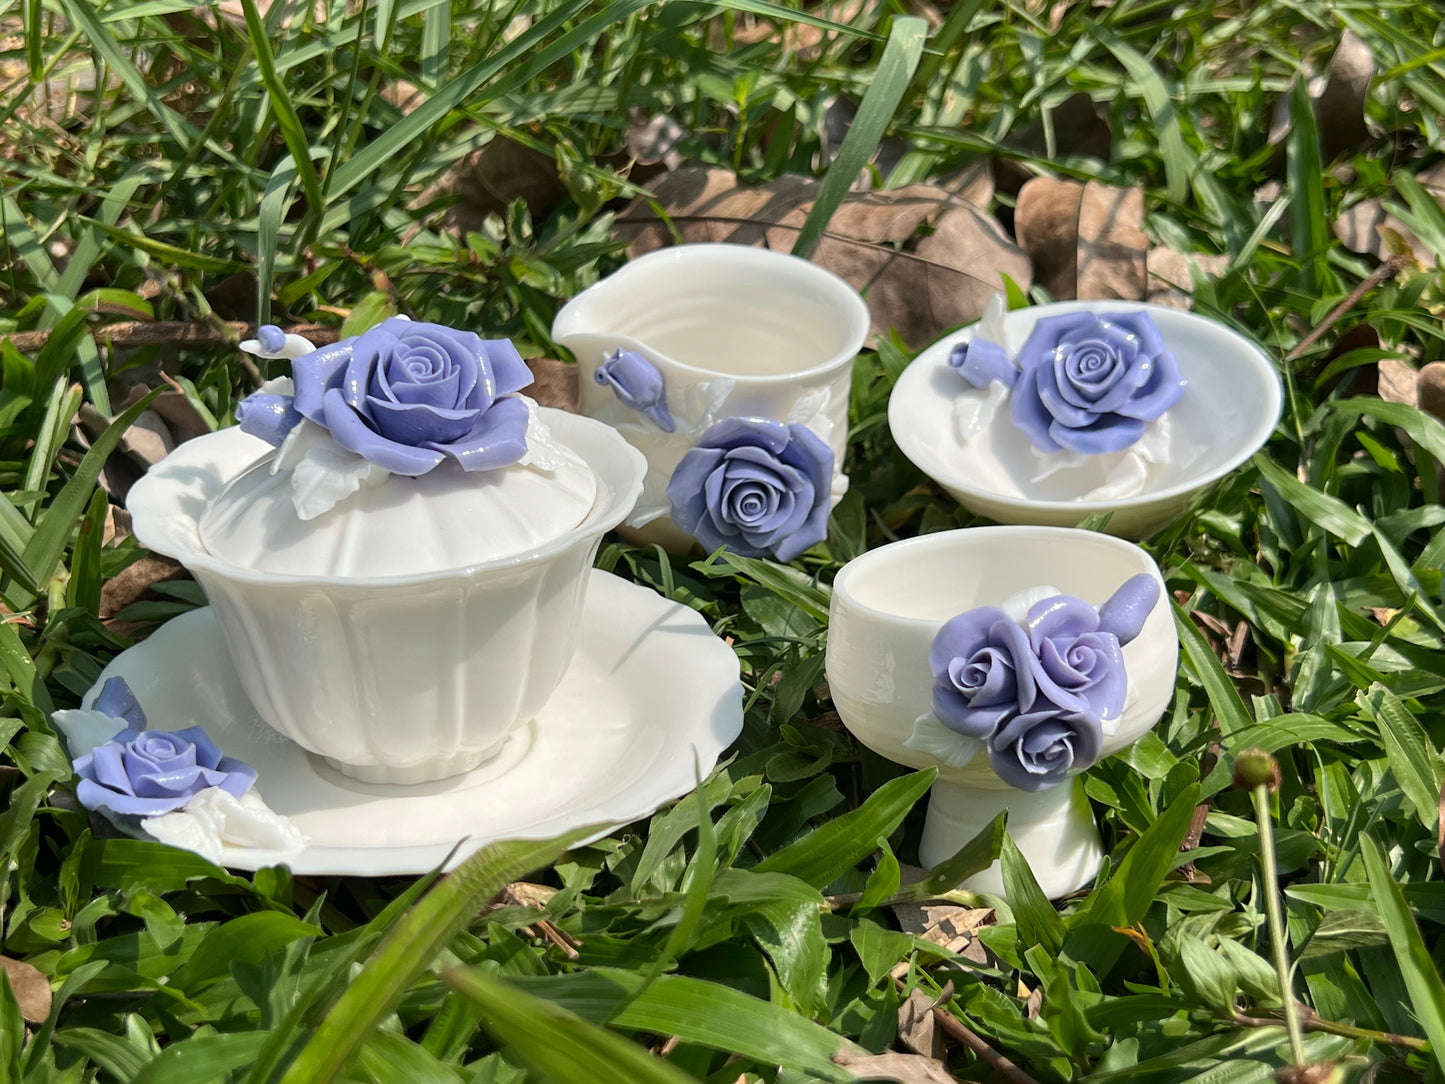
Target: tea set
point(407, 653)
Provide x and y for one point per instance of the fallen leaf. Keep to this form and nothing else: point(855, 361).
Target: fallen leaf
point(801, 38)
point(486, 182)
point(1368, 228)
point(1430, 386)
point(1046, 223)
point(1170, 275)
point(925, 260)
point(1340, 104)
point(554, 384)
point(915, 1024)
point(132, 583)
point(1397, 382)
point(902, 1068)
point(653, 140)
point(1086, 241)
point(31, 988)
point(1112, 244)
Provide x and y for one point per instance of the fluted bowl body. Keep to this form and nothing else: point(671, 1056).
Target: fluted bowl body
point(401, 678)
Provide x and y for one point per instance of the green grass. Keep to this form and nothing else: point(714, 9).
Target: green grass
point(745, 931)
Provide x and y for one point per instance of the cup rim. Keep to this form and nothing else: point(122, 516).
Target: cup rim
point(156, 499)
point(950, 476)
point(855, 339)
point(844, 596)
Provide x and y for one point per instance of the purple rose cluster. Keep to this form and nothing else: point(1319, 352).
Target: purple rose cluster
point(1039, 692)
point(406, 396)
point(147, 773)
point(1083, 382)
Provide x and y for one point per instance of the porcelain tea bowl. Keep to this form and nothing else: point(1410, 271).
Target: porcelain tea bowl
point(929, 644)
point(965, 436)
point(403, 677)
point(729, 368)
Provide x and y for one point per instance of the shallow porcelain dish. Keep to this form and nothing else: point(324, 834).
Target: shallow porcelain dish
point(650, 699)
point(1228, 410)
point(398, 678)
point(731, 332)
point(887, 607)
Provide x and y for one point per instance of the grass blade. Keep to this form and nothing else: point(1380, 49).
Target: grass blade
point(1309, 224)
point(410, 948)
point(1412, 757)
point(48, 543)
point(1179, 163)
point(1422, 979)
point(1224, 698)
point(556, 1043)
point(890, 82)
point(1336, 517)
point(286, 118)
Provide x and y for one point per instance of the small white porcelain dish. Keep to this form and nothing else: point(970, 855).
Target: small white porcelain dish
point(729, 331)
point(401, 677)
point(887, 608)
point(1228, 410)
point(650, 698)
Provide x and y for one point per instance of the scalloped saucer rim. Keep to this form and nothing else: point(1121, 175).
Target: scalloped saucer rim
point(649, 703)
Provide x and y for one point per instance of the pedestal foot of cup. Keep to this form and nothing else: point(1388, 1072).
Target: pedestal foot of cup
point(1054, 829)
point(426, 772)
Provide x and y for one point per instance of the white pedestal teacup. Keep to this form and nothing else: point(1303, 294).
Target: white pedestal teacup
point(888, 607)
point(688, 337)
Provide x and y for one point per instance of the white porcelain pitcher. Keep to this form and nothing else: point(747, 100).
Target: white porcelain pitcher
point(732, 332)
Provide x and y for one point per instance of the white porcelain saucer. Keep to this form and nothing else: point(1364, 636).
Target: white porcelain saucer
point(650, 701)
point(1228, 411)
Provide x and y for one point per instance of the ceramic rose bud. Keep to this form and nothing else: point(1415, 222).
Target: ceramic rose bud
point(758, 487)
point(637, 383)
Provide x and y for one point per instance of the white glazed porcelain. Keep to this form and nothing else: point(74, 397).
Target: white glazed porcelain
point(887, 607)
point(398, 678)
point(650, 699)
point(735, 331)
point(1227, 412)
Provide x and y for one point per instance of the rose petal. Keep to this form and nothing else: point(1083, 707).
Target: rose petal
point(740, 432)
point(1046, 379)
point(207, 755)
point(1061, 615)
point(1028, 413)
point(1162, 391)
point(962, 637)
point(116, 700)
point(94, 796)
point(352, 433)
point(417, 424)
point(107, 767)
point(317, 373)
point(510, 373)
point(1111, 433)
point(685, 487)
point(496, 439)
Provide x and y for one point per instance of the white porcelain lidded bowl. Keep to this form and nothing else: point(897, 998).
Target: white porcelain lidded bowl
point(407, 632)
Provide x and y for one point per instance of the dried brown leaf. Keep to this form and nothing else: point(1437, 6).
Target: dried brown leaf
point(925, 260)
point(1397, 382)
point(486, 181)
point(1046, 222)
point(1430, 386)
point(1079, 128)
point(1112, 244)
point(132, 583)
point(915, 1024)
point(1340, 103)
point(31, 987)
point(1171, 275)
point(902, 1068)
point(554, 383)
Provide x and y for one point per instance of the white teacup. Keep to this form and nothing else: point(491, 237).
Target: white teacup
point(732, 332)
point(396, 678)
point(888, 606)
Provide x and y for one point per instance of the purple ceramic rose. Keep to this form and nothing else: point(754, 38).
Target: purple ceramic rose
point(407, 396)
point(146, 773)
point(759, 487)
point(1083, 382)
point(1038, 692)
point(1090, 382)
point(637, 383)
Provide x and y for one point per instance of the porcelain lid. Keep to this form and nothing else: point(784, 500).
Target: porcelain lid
point(446, 519)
